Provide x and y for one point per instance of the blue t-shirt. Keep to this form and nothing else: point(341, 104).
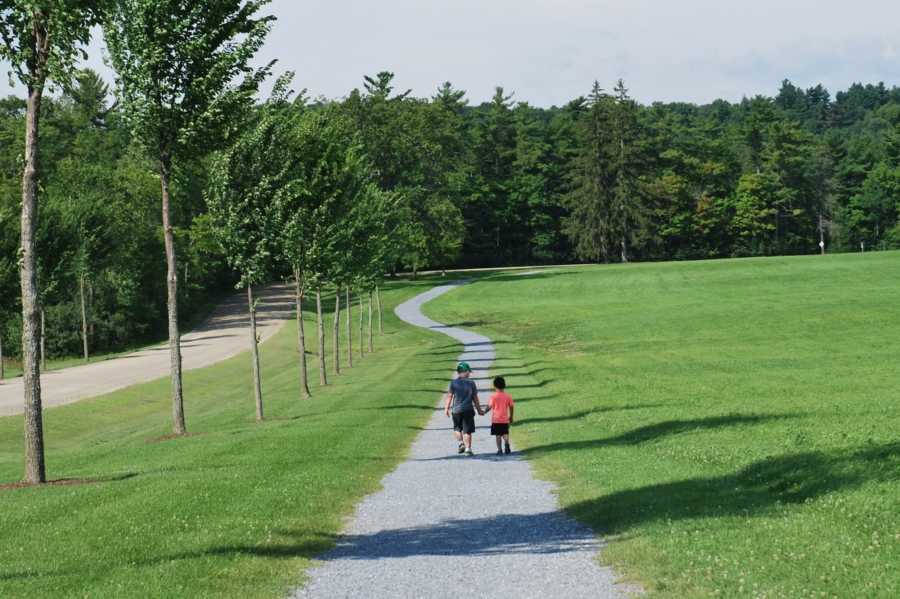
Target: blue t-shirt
point(463, 390)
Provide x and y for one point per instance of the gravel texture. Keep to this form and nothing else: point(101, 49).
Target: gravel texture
point(224, 334)
point(446, 525)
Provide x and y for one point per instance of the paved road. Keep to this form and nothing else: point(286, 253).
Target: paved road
point(446, 525)
point(224, 334)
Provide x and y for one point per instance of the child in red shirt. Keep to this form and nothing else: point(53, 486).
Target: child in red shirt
point(502, 406)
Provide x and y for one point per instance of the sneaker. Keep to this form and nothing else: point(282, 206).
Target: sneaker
point(499, 452)
point(507, 449)
point(462, 448)
point(469, 452)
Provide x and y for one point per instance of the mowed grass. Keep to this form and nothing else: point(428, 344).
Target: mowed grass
point(235, 510)
point(732, 426)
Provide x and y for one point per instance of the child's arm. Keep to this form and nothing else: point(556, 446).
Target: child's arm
point(477, 405)
point(512, 409)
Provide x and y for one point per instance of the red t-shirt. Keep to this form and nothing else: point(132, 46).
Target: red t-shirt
point(500, 404)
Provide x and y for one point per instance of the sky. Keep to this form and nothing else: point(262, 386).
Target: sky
point(550, 51)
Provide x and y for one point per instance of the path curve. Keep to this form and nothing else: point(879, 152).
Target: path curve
point(223, 335)
point(445, 525)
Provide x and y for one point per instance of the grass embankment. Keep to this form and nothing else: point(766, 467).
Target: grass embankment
point(734, 426)
point(236, 509)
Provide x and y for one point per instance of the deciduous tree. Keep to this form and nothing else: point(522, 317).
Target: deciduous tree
point(183, 73)
point(41, 41)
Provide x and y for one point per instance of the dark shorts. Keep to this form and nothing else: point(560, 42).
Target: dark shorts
point(464, 422)
point(499, 428)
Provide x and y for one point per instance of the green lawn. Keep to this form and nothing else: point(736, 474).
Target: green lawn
point(733, 426)
point(235, 510)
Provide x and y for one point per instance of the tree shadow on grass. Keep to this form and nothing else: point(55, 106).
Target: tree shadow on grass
point(497, 366)
point(457, 349)
point(404, 407)
point(508, 371)
point(9, 576)
point(68, 482)
point(583, 413)
point(522, 277)
point(464, 324)
point(659, 430)
point(307, 545)
point(537, 398)
point(754, 490)
point(538, 385)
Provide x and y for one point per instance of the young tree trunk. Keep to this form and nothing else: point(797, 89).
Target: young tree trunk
point(2, 372)
point(31, 310)
point(43, 340)
point(84, 324)
point(172, 301)
point(320, 329)
point(361, 346)
point(254, 347)
point(336, 330)
point(349, 324)
point(301, 335)
point(371, 343)
point(90, 305)
point(380, 311)
point(821, 235)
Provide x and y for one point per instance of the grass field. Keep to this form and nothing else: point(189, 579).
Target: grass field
point(236, 509)
point(733, 426)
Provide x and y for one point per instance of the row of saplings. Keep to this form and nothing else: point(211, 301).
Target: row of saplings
point(295, 194)
point(290, 191)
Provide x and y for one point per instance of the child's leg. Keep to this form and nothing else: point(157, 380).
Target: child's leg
point(498, 437)
point(505, 440)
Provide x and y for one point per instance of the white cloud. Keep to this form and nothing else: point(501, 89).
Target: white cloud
point(549, 51)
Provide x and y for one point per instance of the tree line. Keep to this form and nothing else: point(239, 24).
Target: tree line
point(502, 183)
point(181, 160)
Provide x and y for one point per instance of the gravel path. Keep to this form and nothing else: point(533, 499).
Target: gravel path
point(446, 525)
point(224, 334)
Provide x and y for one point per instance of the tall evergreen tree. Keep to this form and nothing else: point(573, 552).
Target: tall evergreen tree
point(495, 147)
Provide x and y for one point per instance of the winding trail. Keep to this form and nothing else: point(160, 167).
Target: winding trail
point(446, 525)
point(223, 335)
